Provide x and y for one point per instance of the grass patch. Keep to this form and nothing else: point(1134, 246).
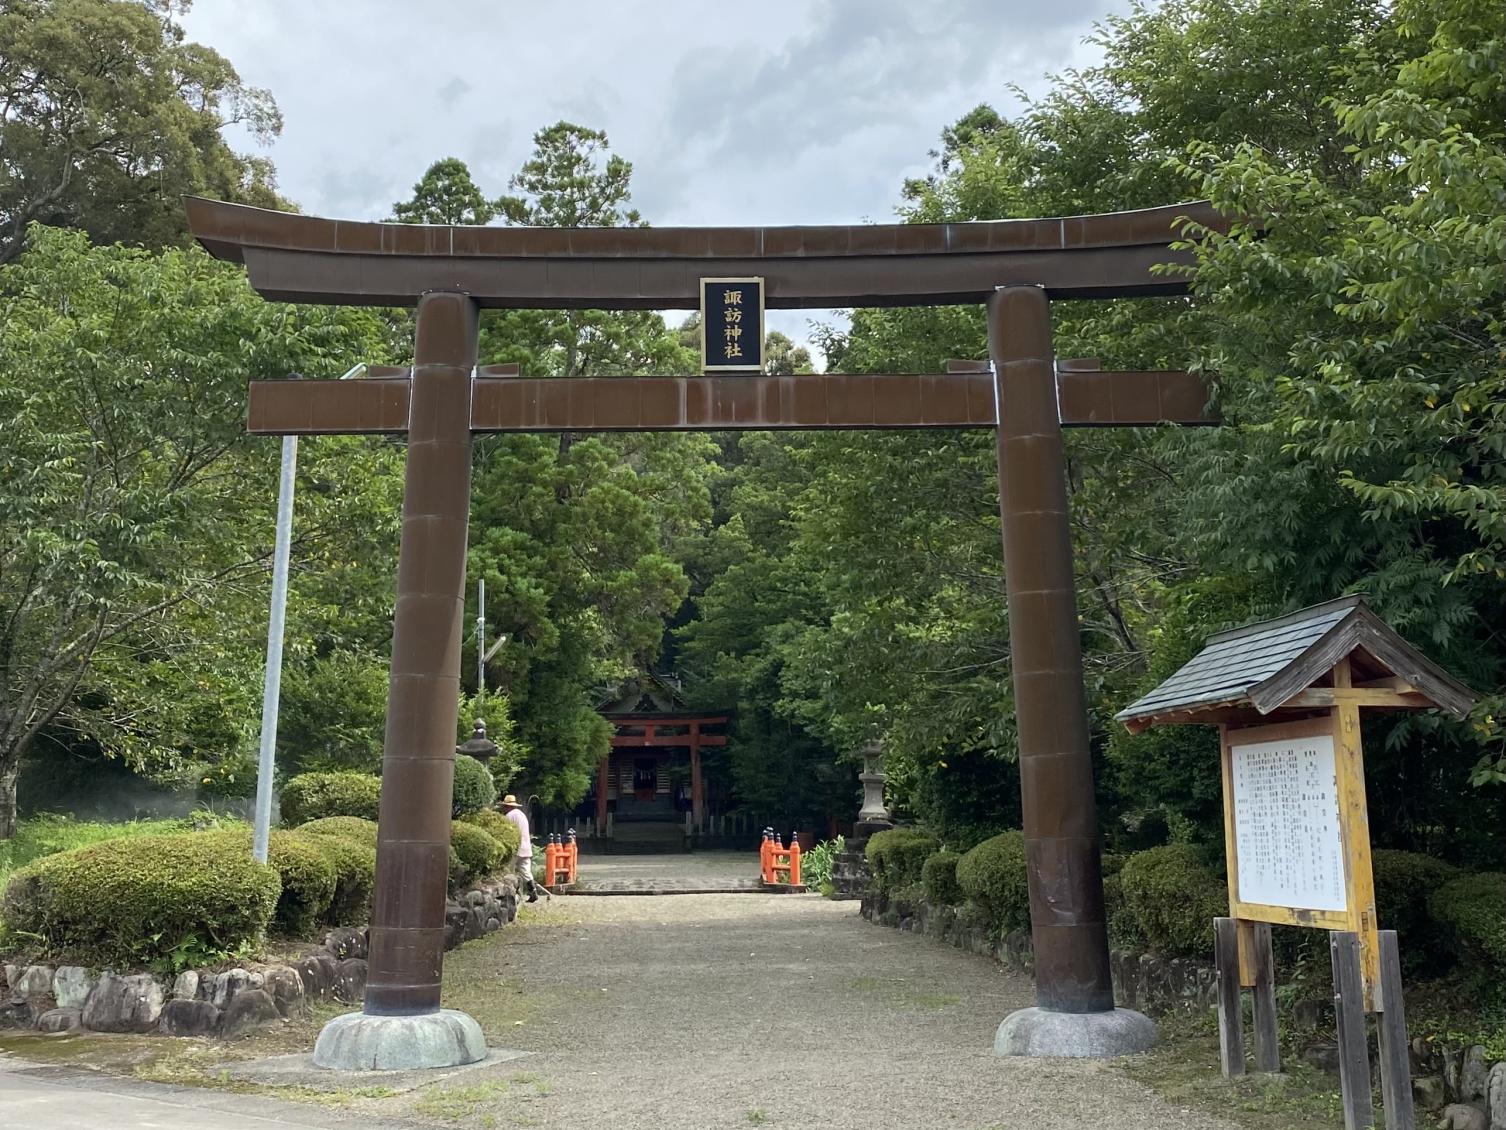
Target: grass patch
point(49, 834)
point(904, 993)
point(757, 1117)
point(477, 1103)
point(1184, 1069)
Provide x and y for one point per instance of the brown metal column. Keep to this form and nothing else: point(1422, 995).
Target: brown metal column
point(1056, 771)
point(418, 757)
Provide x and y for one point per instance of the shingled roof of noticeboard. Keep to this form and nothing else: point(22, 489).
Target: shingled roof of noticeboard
point(1265, 663)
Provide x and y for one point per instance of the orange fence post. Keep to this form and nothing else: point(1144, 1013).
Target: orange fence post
point(794, 861)
point(551, 851)
point(572, 857)
point(766, 856)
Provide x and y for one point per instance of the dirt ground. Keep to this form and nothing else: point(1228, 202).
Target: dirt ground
point(699, 1012)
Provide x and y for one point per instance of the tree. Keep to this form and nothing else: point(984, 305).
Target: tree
point(445, 194)
point(133, 507)
point(110, 116)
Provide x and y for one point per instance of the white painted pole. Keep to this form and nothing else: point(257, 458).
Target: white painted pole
point(272, 688)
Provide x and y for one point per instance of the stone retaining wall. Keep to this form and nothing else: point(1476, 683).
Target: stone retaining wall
point(230, 1002)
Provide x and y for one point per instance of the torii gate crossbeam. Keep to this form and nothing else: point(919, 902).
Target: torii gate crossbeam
point(1016, 267)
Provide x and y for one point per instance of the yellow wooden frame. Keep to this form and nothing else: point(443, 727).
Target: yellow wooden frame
point(1342, 721)
point(762, 294)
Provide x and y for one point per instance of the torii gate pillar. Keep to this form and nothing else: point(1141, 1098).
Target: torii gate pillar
point(1075, 1012)
point(401, 1024)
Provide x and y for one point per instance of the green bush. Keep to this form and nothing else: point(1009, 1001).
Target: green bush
point(355, 878)
point(1173, 896)
point(474, 788)
point(897, 856)
point(174, 900)
point(48, 834)
point(1403, 881)
point(1124, 933)
point(816, 864)
point(350, 827)
point(1472, 909)
point(993, 876)
point(307, 873)
point(498, 827)
point(939, 876)
point(311, 796)
point(479, 854)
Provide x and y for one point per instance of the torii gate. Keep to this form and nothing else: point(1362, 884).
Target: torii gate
point(1014, 266)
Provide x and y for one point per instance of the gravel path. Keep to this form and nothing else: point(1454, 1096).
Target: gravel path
point(704, 1011)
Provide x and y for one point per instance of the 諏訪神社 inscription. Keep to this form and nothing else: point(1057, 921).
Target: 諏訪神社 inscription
point(1286, 823)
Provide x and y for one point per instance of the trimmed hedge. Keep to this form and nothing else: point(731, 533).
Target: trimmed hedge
point(350, 827)
point(1403, 882)
point(355, 878)
point(993, 876)
point(479, 853)
point(310, 796)
point(142, 900)
point(307, 873)
point(939, 877)
point(1172, 896)
point(498, 827)
point(474, 787)
point(897, 856)
point(1472, 909)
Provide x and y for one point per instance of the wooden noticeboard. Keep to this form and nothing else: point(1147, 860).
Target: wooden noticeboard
point(1296, 833)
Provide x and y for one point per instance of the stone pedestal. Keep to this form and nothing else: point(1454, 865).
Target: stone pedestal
point(359, 1041)
point(1041, 1032)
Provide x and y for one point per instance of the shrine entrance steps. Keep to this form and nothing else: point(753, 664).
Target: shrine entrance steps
point(644, 837)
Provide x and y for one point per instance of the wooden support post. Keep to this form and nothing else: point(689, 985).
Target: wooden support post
point(603, 783)
point(1354, 822)
point(1395, 1065)
point(1349, 1009)
point(1231, 1036)
point(1267, 1050)
point(697, 782)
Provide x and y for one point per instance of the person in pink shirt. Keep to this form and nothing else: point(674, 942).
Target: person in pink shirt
point(523, 861)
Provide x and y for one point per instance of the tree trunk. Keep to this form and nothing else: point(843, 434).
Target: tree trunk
point(8, 776)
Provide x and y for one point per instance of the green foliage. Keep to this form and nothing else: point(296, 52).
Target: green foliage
point(480, 855)
point(1403, 882)
point(939, 876)
point(310, 796)
point(897, 856)
point(112, 116)
point(816, 864)
point(445, 195)
point(354, 864)
point(362, 831)
point(49, 834)
point(333, 713)
point(1172, 897)
point(474, 788)
point(133, 506)
point(308, 880)
point(142, 899)
point(498, 827)
point(1472, 909)
point(992, 875)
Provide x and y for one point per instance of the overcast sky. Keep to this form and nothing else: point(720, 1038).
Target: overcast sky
point(758, 112)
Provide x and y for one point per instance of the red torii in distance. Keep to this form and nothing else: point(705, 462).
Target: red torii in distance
point(1014, 266)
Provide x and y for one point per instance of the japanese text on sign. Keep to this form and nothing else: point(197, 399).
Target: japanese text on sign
point(732, 324)
point(1286, 824)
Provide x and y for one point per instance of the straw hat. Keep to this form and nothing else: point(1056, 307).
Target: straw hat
point(510, 801)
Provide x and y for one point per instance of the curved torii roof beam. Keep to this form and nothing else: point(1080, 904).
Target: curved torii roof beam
point(297, 258)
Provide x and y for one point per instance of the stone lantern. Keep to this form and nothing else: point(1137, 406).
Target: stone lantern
point(873, 816)
point(478, 745)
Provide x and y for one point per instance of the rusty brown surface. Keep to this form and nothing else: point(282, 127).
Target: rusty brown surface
point(325, 407)
point(734, 402)
point(418, 754)
point(1056, 774)
point(311, 259)
point(1090, 398)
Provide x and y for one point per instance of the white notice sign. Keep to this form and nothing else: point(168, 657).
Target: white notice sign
point(1286, 823)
